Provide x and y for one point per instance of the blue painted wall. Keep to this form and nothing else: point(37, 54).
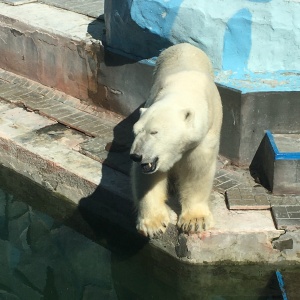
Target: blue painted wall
point(163, 14)
point(254, 44)
point(237, 41)
point(140, 29)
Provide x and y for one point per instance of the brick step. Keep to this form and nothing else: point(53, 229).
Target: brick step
point(111, 134)
point(277, 163)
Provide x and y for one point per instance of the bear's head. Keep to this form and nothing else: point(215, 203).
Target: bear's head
point(162, 135)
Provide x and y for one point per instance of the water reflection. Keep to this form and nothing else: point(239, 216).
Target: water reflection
point(43, 259)
point(49, 251)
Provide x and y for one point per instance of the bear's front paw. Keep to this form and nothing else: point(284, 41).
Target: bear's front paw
point(153, 226)
point(189, 222)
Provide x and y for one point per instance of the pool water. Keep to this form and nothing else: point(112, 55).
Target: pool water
point(49, 251)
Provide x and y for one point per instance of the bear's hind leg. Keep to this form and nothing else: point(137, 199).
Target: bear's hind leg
point(150, 195)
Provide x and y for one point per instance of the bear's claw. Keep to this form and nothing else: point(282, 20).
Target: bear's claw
point(195, 225)
point(153, 223)
point(151, 228)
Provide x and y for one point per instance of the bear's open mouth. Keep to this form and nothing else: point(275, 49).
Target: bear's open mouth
point(150, 167)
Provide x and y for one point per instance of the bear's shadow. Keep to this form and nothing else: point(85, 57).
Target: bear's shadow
point(111, 217)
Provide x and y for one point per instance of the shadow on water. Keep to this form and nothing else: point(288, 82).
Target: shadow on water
point(97, 217)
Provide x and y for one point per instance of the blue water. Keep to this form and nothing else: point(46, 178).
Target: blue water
point(49, 251)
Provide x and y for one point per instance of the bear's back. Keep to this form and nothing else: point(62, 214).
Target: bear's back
point(182, 57)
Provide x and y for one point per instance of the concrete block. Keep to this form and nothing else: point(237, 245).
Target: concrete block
point(277, 163)
point(33, 155)
point(239, 236)
point(247, 116)
point(66, 52)
point(241, 198)
point(125, 82)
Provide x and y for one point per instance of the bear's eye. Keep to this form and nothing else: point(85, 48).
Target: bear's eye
point(153, 132)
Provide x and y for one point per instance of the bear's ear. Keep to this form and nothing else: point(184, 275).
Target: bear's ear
point(142, 110)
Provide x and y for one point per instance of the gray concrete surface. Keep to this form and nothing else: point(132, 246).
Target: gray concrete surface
point(63, 49)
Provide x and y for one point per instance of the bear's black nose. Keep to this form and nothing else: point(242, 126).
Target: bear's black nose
point(136, 157)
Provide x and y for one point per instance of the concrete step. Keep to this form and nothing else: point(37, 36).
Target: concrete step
point(112, 134)
point(52, 46)
point(277, 163)
point(63, 49)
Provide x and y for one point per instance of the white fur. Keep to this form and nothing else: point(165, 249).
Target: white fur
point(181, 127)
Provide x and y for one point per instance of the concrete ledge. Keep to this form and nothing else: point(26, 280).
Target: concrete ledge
point(239, 236)
point(33, 147)
point(53, 163)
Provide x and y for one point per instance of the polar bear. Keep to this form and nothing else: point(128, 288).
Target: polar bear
point(177, 135)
